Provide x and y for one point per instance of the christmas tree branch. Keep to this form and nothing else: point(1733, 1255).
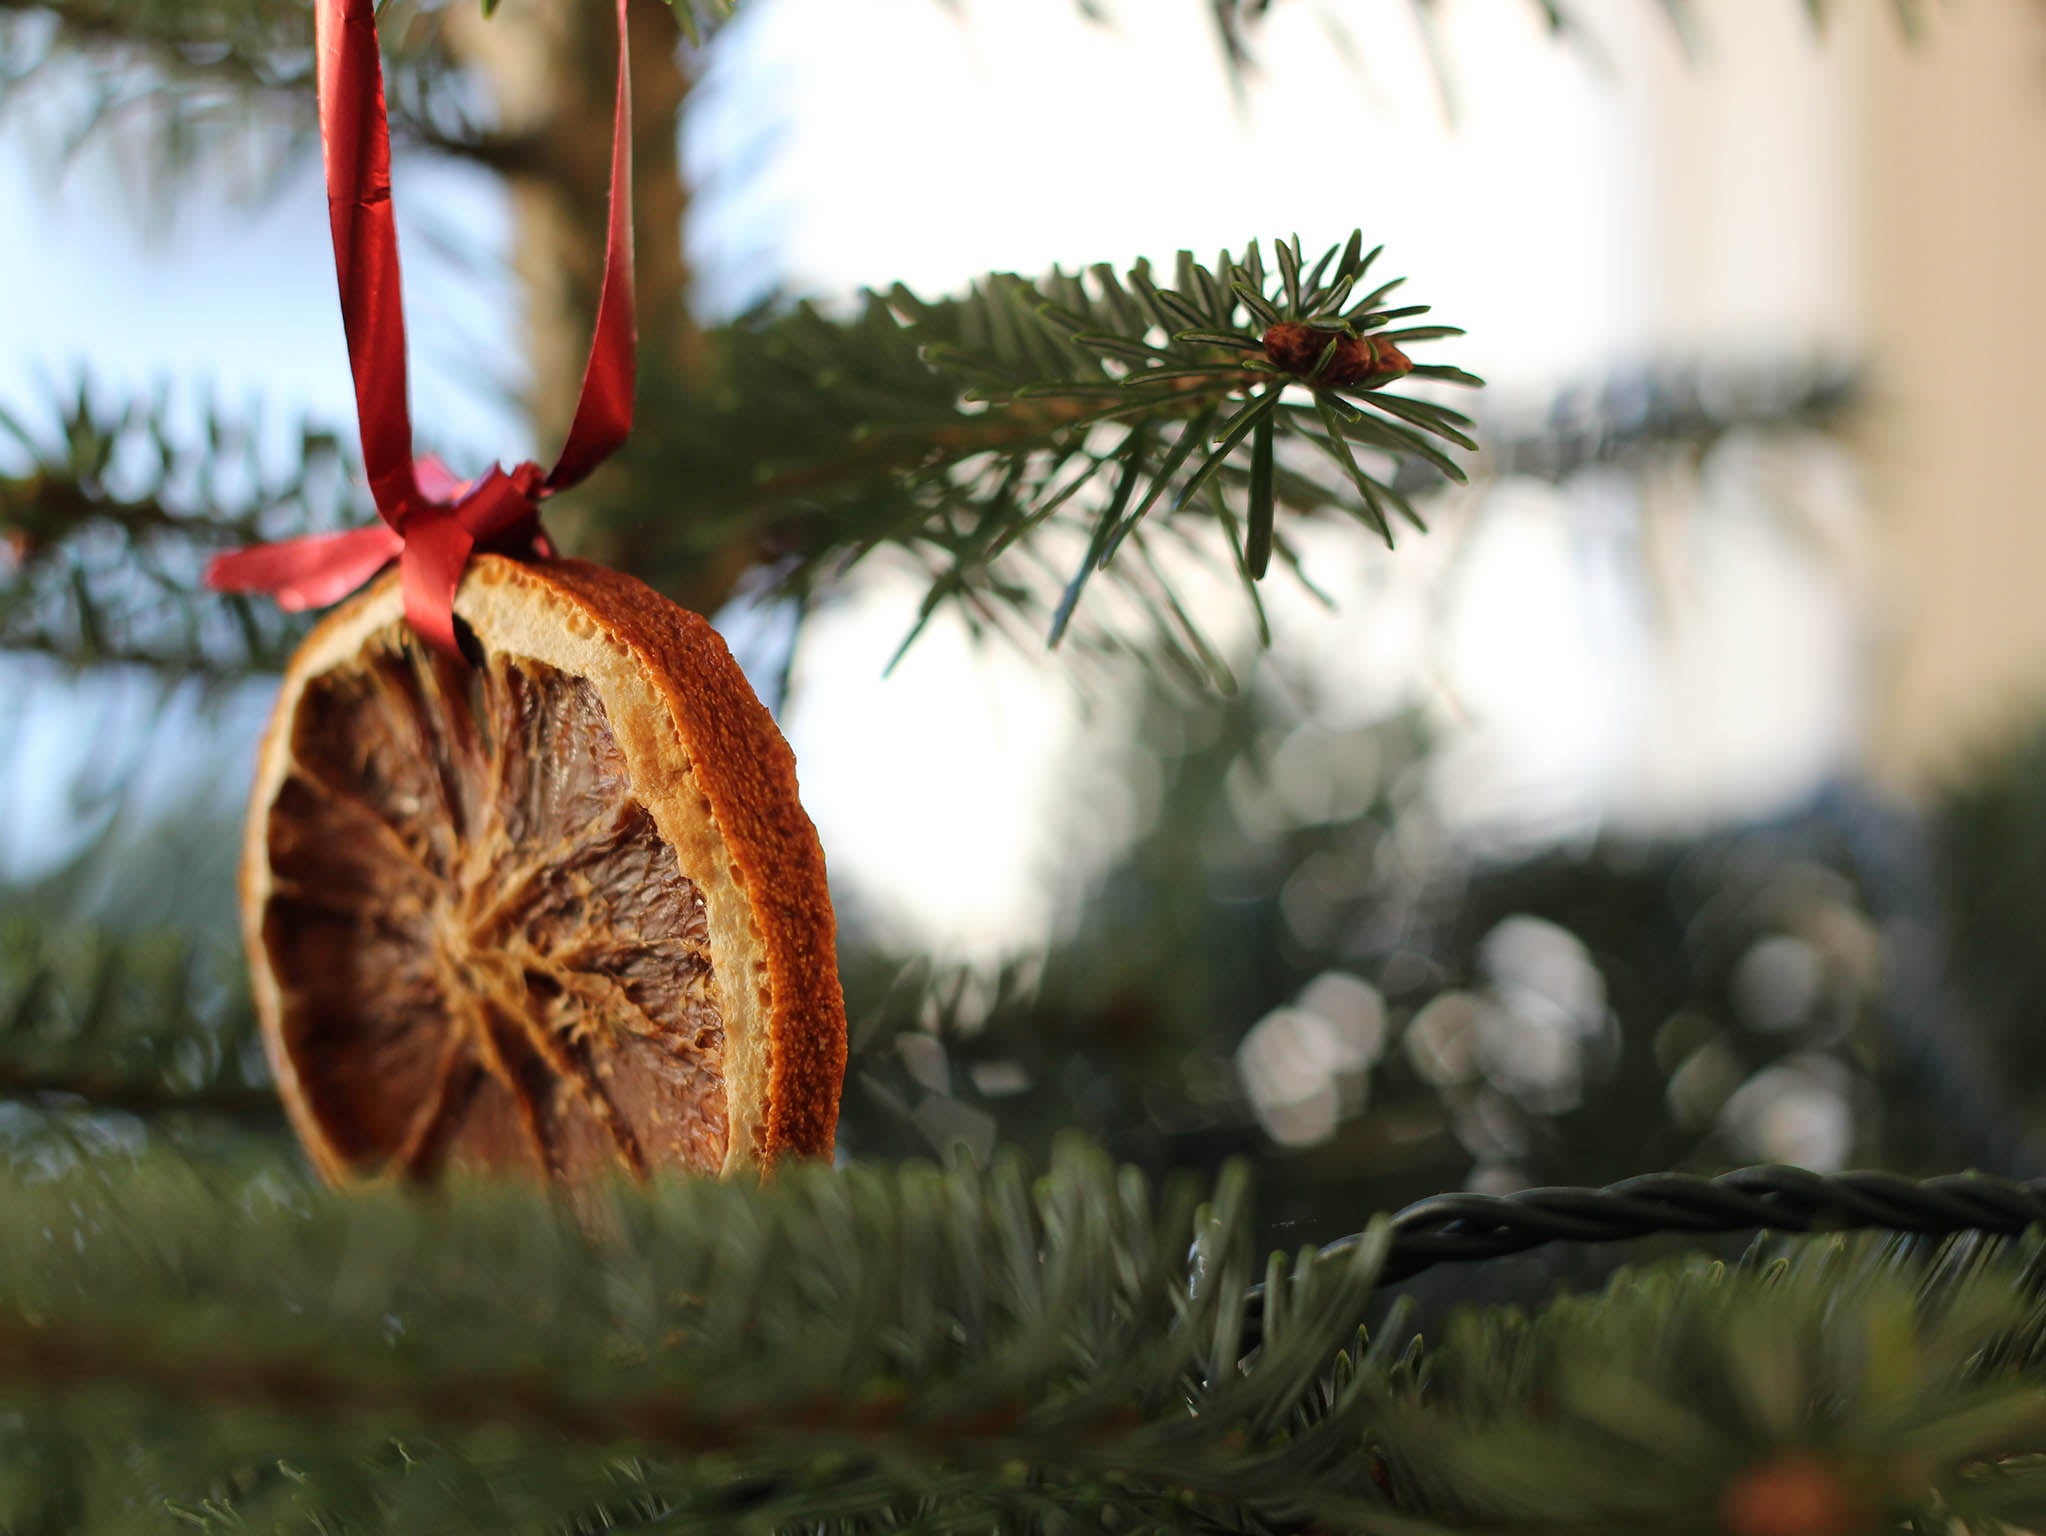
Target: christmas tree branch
point(944, 1350)
point(819, 432)
point(821, 439)
point(322, 1391)
point(697, 17)
point(105, 532)
point(1013, 443)
point(1651, 417)
point(109, 1093)
point(1861, 1381)
point(1010, 443)
point(141, 1024)
point(964, 1328)
point(197, 64)
point(258, 53)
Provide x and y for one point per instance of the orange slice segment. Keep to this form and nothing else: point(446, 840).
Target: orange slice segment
point(559, 911)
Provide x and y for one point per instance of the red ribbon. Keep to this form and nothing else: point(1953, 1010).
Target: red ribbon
point(431, 522)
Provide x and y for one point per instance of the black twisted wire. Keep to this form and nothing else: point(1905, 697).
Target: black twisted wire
point(1463, 1228)
point(1467, 1228)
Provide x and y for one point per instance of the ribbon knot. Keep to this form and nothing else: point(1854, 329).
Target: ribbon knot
point(450, 521)
point(430, 521)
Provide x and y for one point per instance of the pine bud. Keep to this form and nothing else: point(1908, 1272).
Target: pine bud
point(1296, 348)
point(1794, 1495)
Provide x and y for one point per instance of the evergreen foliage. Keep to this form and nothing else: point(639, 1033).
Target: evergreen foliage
point(1012, 443)
point(909, 1348)
point(114, 514)
point(106, 1022)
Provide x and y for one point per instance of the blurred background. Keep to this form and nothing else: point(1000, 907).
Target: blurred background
point(1678, 801)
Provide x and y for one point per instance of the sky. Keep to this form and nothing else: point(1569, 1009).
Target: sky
point(1573, 212)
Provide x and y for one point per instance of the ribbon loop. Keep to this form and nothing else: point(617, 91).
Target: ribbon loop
point(431, 522)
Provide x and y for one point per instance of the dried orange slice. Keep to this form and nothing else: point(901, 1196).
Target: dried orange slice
point(557, 912)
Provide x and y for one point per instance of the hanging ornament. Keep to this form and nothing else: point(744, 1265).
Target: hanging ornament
point(526, 883)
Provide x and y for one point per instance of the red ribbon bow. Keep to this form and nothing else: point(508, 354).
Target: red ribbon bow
point(431, 522)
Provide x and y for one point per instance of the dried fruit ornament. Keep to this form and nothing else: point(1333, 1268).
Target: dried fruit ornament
point(526, 883)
